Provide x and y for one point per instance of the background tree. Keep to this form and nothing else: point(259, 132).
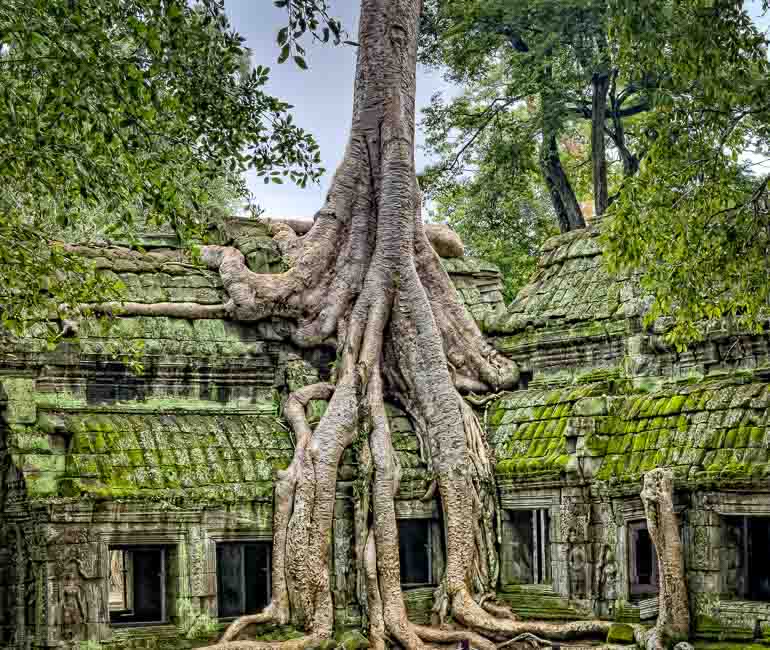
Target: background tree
point(673, 96)
point(555, 55)
point(132, 109)
point(494, 199)
point(695, 220)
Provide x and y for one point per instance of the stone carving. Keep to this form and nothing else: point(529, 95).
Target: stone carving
point(72, 609)
point(76, 601)
point(607, 575)
point(577, 563)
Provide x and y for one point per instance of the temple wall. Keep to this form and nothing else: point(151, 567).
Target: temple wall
point(182, 458)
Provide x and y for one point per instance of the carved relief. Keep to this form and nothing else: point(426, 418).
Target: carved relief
point(607, 575)
point(76, 596)
point(575, 516)
point(578, 564)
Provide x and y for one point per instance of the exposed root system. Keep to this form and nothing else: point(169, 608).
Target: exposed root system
point(366, 279)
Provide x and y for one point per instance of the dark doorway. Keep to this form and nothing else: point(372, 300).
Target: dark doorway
point(415, 552)
point(243, 577)
point(643, 560)
point(748, 565)
point(137, 585)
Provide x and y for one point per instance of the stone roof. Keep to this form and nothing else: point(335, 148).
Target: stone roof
point(164, 449)
point(570, 288)
point(574, 317)
point(715, 430)
point(81, 424)
point(134, 452)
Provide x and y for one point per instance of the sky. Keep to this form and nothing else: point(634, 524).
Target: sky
point(322, 96)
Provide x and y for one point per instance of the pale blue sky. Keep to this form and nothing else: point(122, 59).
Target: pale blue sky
point(322, 96)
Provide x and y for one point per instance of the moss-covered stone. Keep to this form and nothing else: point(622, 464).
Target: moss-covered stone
point(620, 633)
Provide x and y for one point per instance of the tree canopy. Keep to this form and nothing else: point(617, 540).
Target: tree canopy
point(657, 112)
point(138, 111)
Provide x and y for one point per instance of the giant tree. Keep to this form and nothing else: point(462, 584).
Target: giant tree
point(366, 280)
point(131, 109)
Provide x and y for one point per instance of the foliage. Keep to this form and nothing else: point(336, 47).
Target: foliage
point(696, 219)
point(500, 209)
point(133, 109)
point(545, 53)
point(305, 16)
point(686, 128)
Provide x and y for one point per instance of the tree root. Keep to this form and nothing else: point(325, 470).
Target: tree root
point(188, 310)
point(290, 644)
point(499, 611)
point(468, 612)
point(242, 622)
point(529, 639)
point(438, 635)
point(663, 525)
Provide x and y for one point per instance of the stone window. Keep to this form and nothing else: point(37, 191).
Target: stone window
point(243, 577)
point(415, 549)
point(526, 548)
point(748, 565)
point(138, 581)
point(642, 560)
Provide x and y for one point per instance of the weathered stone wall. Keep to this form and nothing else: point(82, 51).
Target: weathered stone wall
point(185, 454)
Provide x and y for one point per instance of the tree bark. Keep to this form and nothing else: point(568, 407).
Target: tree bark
point(673, 622)
point(366, 278)
point(600, 84)
point(563, 198)
point(618, 132)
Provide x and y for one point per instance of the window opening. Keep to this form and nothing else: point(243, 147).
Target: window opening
point(137, 584)
point(243, 577)
point(415, 549)
point(643, 560)
point(526, 552)
point(749, 540)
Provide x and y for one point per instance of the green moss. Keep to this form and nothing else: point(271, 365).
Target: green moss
point(620, 633)
point(714, 629)
point(352, 640)
point(536, 603)
point(591, 406)
point(69, 488)
point(626, 613)
point(89, 645)
point(495, 416)
point(674, 405)
point(640, 442)
point(707, 645)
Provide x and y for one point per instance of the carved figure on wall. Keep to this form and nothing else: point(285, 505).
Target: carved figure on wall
point(75, 596)
point(73, 612)
point(577, 563)
point(609, 575)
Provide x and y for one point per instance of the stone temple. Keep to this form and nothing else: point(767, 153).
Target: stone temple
point(136, 510)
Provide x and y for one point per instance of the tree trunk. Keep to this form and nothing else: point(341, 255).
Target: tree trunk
point(366, 279)
point(600, 84)
point(563, 198)
point(673, 622)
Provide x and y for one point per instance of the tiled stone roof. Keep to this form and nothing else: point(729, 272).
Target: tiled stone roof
point(710, 431)
point(199, 455)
